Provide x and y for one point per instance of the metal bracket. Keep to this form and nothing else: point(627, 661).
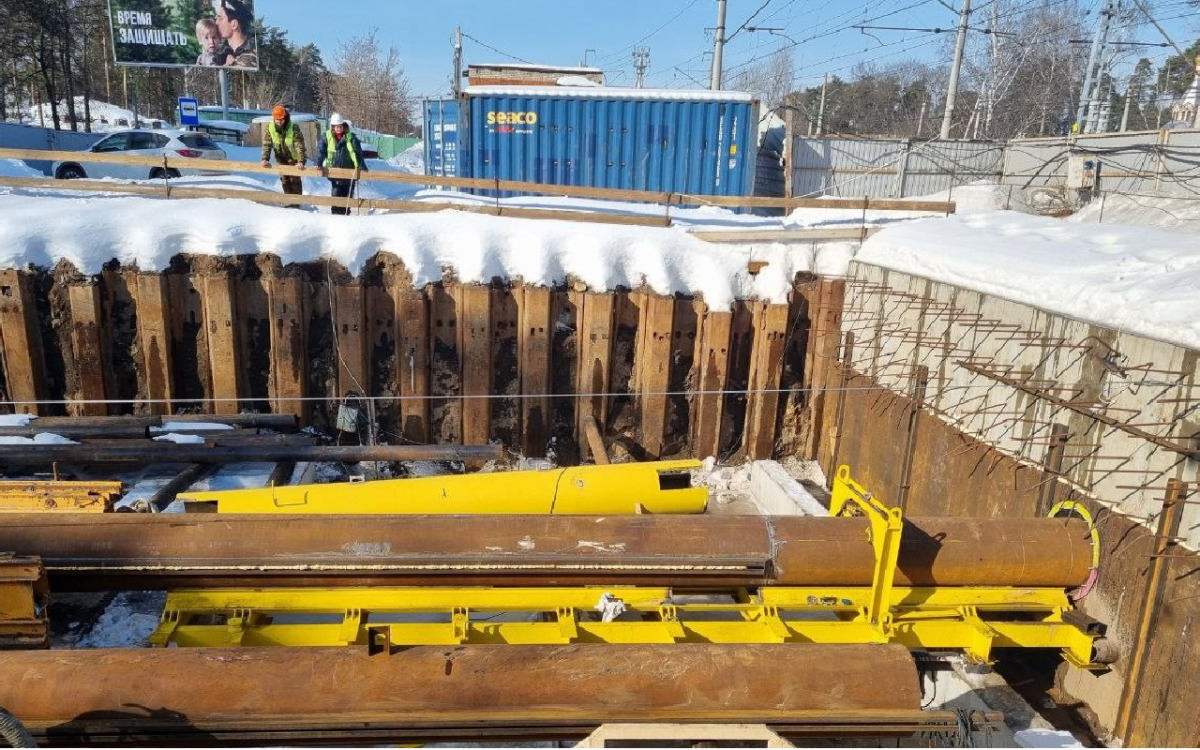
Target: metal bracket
point(884, 534)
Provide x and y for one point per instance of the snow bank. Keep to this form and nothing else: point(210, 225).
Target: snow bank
point(16, 420)
point(17, 168)
point(1138, 280)
point(90, 231)
point(410, 160)
point(42, 438)
point(1172, 214)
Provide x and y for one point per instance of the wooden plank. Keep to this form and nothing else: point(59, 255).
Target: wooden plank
point(24, 370)
point(253, 329)
point(412, 351)
point(84, 301)
point(224, 360)
point(595, 333)
point(766, 365)
point(536, 330)
point(349, 333)
point(786, 235)
point(475, 353)
point(653, 363)
point(289, 371)
point(155, 338)
point(713, 369)
point(191, 378)
point(445, 378)
point(883, 204)
point(505, 385)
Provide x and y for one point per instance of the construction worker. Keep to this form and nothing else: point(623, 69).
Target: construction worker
point(287, 142)
point(341, 150)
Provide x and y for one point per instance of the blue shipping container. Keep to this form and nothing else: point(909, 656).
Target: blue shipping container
point(441, 138)
point(697, 142)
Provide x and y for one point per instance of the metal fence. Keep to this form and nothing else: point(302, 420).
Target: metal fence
point(13, 135)
point(1163, 162)
point(888, 167)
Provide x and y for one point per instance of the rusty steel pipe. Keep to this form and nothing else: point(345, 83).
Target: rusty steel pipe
point(119, 551)
point(68, 696)
point(36, 455)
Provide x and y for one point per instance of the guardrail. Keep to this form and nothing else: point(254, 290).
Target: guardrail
point(667, 200)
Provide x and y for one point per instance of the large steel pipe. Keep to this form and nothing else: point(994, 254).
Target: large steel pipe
point(36, 455)
point(120, 551)
point(72, 697)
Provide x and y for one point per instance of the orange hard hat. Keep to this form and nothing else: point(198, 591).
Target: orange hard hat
point(279, 113)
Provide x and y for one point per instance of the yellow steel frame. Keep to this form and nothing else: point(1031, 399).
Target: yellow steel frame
point(974, 620)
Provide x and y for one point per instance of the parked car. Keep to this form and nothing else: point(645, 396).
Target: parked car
point(142, 142)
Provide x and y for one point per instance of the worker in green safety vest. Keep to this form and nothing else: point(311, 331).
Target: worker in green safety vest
point(341, 150)
point(283, 139)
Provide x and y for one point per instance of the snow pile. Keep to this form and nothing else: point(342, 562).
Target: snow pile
point(105, 117)
point(577, 81)
point(17, 168)
point(129, 621)
point(191, 427)
point(42, 438)
point(1173, 214)
point(1142, 281)
point(178, 439)
point(16, 420)
point(90, 231)
point(410, 160)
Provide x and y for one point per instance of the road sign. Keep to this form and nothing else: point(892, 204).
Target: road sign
point(189, 111)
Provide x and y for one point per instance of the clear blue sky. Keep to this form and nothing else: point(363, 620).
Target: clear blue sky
point(561, 32)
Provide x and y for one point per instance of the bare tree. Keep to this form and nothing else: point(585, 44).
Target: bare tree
point(367, 85)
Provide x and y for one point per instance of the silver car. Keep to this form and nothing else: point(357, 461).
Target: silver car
point(142, 142)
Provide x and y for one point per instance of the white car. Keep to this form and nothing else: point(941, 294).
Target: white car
point(141, 142)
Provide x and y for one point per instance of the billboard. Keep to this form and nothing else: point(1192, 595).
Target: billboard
point(184, 33)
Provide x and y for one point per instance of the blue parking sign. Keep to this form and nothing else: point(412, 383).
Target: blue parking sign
point(189, 111)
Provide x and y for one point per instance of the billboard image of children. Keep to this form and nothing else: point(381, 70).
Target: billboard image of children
point(210, 43)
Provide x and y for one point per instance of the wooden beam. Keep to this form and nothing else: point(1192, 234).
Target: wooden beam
point(475, 355)
point(766, 367)
point(349, 328)
point(653, 361)
point(595, 441)
point(289, 370)
point(412, 351)
point(785, 235)
point(223, 356)
point(594, 332)
point(84, 301)
point(712, 371)
point(536, 331)
point(24, 370)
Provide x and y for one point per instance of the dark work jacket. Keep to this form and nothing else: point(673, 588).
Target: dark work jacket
point(341, 157)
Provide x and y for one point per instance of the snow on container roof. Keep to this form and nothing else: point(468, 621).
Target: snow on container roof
point(540, 68)
point(611, 92)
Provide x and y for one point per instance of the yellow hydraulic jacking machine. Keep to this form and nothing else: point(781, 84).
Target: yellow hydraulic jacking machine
point(973, 620)
point(653, 487)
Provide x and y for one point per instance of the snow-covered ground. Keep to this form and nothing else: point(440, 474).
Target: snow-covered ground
point(105, 117)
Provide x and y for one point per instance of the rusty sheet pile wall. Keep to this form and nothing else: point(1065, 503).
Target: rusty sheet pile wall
point(958, 403)
point(450, 363)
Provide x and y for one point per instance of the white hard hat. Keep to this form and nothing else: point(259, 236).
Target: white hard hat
point(336, 119)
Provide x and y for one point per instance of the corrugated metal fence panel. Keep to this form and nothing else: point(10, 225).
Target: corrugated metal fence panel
point(1128, 161)
point(441, 138)
point(889, 168)
point(937, 166)
point(844, 167)
point(702, 147)
point(1181, 163)
point(1040, 162)
point(13, 135)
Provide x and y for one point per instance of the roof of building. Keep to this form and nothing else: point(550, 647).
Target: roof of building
point(611, 92)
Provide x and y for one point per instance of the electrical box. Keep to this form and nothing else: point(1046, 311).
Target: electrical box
point(1083, 172)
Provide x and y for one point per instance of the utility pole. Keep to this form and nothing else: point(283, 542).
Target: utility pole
point(456, 82)
point(952, 91)
point(1128, 97)
point(641, 63)
point(921, 118)
point(718, 47)
point(1091, 77)
point(224, 81)
point(821, 109)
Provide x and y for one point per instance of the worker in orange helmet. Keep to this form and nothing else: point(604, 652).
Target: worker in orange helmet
point(285, 140)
